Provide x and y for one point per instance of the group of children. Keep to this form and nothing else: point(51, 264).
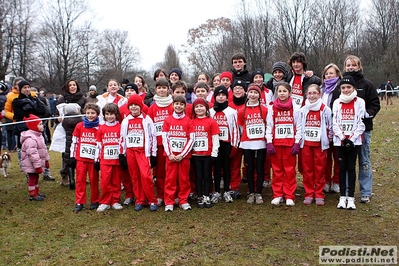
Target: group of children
point(186, 144)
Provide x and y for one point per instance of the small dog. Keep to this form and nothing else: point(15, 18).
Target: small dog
point(5, 163)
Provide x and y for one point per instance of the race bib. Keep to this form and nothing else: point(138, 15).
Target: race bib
point(297, 99)
point(135, 140)
point(283, 131)
point(224, 133)
point(111, 152)
point(177, 144)
point(256, 131)
point(87, 151)
point(201, 144)
point(347, 127)
point(158, 128)
point(312, 134)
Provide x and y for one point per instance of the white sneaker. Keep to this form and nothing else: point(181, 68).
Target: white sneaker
point(227, 197)
point(103, 207)
point(289, 202)
point(277, 201)
point(342, 203)
point(169, 208)
point(160, 201)
point(222, 184)
point(327, 188)
point(266, 184)
point(258, 199)
point(185, 206)
point(351, 204)
point(335, 188)
point(117, 206)
point(128, 201)
point(216, 197)
point(251, 198)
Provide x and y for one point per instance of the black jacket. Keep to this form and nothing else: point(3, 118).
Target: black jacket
point(244, 74)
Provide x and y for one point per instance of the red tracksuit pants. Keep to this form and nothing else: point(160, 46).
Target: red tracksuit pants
point(33, 184)
point(177, 181)
point(160, 172)
point(313, 171)
point(235, 166)
point(110, 183)
point(284, 174)
point(82, 169)
point(140, 173)
point(332, 174)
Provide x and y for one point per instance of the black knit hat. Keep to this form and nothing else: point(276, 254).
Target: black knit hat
point(133, 86)
point(348, 80)
point(23, 83)
point(125, 81)
point(220, 89)
point(280, 66)
point(177, 71)
point(257, 71)
point(240, 82)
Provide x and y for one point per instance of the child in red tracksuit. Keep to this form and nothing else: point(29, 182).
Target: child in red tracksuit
point(107, 159)
point(158, 112)
point(205, 150)
point(252, 124)
point(83, 148)
point(138, 145)
point(178, 138)
point(316, 137)
point(283, 134)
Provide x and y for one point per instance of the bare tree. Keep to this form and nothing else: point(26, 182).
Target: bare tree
point(171, 59)
point(8, 24)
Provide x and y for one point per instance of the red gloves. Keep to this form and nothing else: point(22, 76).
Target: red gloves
point(47, 164)
point(39, 170)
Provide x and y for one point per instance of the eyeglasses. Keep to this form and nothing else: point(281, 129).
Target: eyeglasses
point(313, 93)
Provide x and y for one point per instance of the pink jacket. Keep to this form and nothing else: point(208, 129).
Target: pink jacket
point(33, 151)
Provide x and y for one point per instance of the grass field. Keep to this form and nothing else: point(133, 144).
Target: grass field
point(49, 233)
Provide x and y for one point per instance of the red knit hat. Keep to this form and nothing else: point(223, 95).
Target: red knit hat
point(200, 101)
point(255, 87)
point(32, 122)
point(226, 74)
point(135, 99)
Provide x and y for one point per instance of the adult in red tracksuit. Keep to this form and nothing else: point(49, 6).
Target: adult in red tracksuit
point(83, 148)
point(177, 139)
point(107, 158)
point(283, 134)
point(138, 146)
point(158, 112)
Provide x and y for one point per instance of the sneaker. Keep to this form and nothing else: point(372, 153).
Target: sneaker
point(103, 207)
point(222, 184)
point(200, 202)
point(216, 197)
point(117, 206)
point(185, 206)
point(42, 195)
point(342, 203)
point(169, 208)
point(335, 188)
point(266, 184)
point(308, 201)
point(319, 201)
point(153, 207)
point(227, 197)
point(251, 198)
point(48, 178)
point(94, 205)
point(276, 201)
point(192, 196)
point(327, 188)
point(351, 204)
point(78, 208)
point(160, 201)
point(36, 198)
point(258, 199)
point(365, 199)
point(289, 202)
point(207, 202)
point(138, 207)
point(235, 194)
point(128, 201)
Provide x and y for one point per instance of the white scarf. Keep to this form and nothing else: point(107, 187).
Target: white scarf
point(163, 101)
point(313, 106)
point(349, 98)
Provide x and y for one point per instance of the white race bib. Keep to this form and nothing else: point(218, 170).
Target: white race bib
point(87, 151)
point(177, 144)
point(284, 131)
point(313, 134)
point(224, 133)
point(297, 99)
point(347, 127)
point(201, 144)
point(111, 152)
point(135, 140)
point(158, 128)
point(256, 131)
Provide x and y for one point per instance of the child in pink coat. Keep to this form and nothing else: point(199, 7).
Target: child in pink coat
point(34, 155)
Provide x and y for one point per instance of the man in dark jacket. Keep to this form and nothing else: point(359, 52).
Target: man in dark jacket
point(239, 69)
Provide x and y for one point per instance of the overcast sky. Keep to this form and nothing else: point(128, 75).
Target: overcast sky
point(154, 24)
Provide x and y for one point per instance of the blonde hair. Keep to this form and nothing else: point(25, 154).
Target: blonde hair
point(337, 70)
point(355, 59)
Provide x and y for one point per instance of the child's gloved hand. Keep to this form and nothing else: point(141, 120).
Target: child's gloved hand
point(47, 164)
point(39, 170)
point(97, 166)
point(153, 161)
point(295, 149)
point(348, 144)
point(122, 161)
point(270, 149)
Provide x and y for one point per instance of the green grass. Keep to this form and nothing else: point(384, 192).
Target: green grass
point(49, 233)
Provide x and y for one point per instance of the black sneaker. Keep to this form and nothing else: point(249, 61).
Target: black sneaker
point(48, 178)
point(94, 206)
point(36, 198)
point(78, 208)
point(200, 202)
point(42, 195)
